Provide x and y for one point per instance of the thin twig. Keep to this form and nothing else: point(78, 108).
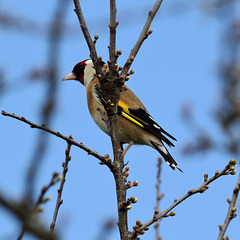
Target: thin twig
point(144, 34)
point(60, 190)
point(90, 43)
point(58, 134)
point(113, 24)
point(159, 196)
point(231, 210)
point(202, 188)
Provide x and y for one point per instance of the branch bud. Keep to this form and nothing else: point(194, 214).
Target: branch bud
point(172, 214)
point(135, 183)
point(134, 200)
point(233, 172)
point(46, 199)
point(233, 209)
point(156, 211)
point(138, 222)
point(150, 32)
point(95, 38)
point(232, 167)
point(126, 169)
point(205, 177)
point(232, 162)
point(128, 207)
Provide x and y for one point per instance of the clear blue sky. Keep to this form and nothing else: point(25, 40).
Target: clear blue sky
point(176, 65)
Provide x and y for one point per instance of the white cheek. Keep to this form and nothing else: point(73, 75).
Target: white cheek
point(88, 77)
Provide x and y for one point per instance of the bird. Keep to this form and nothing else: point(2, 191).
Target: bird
point(136, 125)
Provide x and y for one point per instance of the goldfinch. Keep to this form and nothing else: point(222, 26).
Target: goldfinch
point(136, 125)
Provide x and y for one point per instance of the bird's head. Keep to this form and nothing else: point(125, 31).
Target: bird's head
point(83, 72)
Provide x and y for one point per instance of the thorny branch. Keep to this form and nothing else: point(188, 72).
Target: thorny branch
point(105, 160)
point(229, 169)
point(60, 190)
point(231, 210)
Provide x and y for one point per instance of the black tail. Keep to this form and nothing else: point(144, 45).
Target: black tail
point(166, 155)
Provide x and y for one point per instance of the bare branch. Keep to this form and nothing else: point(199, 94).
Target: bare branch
point(144, 34)
point(227, 170)
point(105, 160)
point(231, 210)
point(60, 190)
point(90, 43)
point(113, 24)
point(159, 196)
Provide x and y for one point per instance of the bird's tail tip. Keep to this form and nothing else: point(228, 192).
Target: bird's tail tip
point(166, 155)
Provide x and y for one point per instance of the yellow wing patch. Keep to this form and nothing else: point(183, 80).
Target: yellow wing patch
point(130, 116)
point(131, 119)
point(123, 106)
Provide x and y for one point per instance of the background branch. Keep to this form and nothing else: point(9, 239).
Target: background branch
point(24, 213)
point(49, 100)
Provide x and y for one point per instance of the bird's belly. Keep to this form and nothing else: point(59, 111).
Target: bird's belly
point(132, 133)
point(98, 119)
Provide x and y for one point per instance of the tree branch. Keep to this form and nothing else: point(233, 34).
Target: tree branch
point(90, 43)
point(60, 190)
point(231, 210)
point(144, 34)
point(105, 160)
point(113, 24)
point(229, 169)
point(159, 196)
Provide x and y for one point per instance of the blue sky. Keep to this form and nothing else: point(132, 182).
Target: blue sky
point(177, 65)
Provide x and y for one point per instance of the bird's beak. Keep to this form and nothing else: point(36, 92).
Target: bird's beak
point(70, 76)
